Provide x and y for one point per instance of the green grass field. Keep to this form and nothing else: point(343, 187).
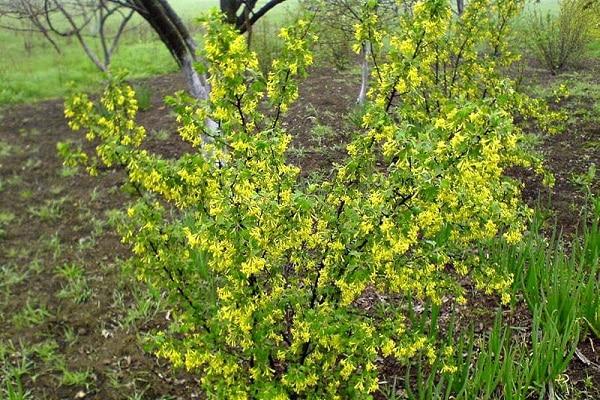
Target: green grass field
point(31, 70)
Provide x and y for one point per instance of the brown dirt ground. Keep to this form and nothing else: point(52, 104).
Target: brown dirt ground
point(118, 367)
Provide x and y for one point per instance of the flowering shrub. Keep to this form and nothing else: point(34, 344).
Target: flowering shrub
point(560, 38)
point(266, 272)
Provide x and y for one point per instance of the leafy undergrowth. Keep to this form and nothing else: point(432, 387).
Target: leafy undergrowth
point(75, 321)
point(529, 349)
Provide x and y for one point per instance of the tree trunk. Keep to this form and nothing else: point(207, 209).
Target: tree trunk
point(365, 49)
point(460, 6)
point(174, 34)
point(176, 37)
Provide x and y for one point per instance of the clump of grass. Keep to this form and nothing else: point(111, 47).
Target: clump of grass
point(30, 315)
point(6, 218)
point(11, 275)
point(5, 149)
point(559, 282)
point(76, 286)
point(15, 364)
point(51, 210)
point(76, 378)
point(143, 94)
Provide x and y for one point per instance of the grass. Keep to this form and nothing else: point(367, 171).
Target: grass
point(75, 284)
point(30, 315)
point(39, 72)
point(14, 365)
point(30, 70)
point(6, 218)
point(49, 211)
point(558, 282)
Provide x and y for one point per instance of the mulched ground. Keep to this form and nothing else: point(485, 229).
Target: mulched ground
point(91, 336)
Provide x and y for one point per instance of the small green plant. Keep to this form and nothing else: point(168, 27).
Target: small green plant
point(586, 180)
point(5, 149)
point(67, 171)
point(70, 335)
point(26, 194)
point(51, 210)
point(76, 287)
point(11, 275)
point(32, 163)
point(143, 94)
point(320, 133)
point(53, 244)
point(145, 306)
point(30, 315)
point(6, 218)
point(75, 378)
point(35, 266)
point(47, 351)
point(14, 365)
point(160, 134)
point(14, 180)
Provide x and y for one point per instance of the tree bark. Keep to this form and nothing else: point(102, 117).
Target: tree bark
point(176, 37)
point(460, 6)
point(365, 49)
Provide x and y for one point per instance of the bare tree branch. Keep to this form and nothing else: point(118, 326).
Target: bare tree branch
point(71, 18)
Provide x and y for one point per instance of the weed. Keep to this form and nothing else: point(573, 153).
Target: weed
point(114, 217)
point(35, 265)
point(586, 179)
point(46, 351)
point(145, 306)
point(161, 134)
point(25, 194)
point(14, 180)
point(136, 396)
point(297, 152)
point(6, 217)
point(86, 243)
point(97, 226)
point(32, 163)
point(30, 315)
point(143, 94)
point(33, 132)
point(319, 133)
point(15, 253)
point(76, 378)
point(68, 171)
point(5, 149)
point(76, 287)
point(51, 210)
point(10, 275)
point(52, 244)
point(69, 335)
point(55, 190)
point(94, 195)
point(12, 372)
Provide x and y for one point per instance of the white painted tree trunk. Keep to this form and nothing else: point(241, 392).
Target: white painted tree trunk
point(199, 89)
point(362, 95)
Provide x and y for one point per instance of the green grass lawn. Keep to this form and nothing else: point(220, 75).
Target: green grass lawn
point(31, 70)
point(39, 72)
